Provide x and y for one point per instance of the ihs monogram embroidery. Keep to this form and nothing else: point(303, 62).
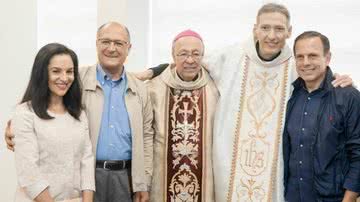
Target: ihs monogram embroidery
point(257, 134)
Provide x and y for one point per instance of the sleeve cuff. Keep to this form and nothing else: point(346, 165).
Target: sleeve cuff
point(352, 185)
point(140, 187)
point(35, 189)
point(89, 187)
point(159, 69)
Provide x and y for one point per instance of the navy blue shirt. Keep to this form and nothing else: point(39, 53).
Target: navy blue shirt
point(302, 130)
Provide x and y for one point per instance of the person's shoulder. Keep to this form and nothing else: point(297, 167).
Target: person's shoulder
point(154, 84)
point(133, 79)
point(84, 69)
point(24, 108)
point(154, 81)
point(23, 111)
point(212, 87)
point(136, 84)
point(348, 90)
point(347, 94)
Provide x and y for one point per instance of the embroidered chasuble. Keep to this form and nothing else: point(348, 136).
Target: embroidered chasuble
point(184, 114)
point(248, 163)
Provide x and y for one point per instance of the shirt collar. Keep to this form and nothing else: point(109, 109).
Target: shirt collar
point(102, 76)
point(325, 84)
point(257, 46)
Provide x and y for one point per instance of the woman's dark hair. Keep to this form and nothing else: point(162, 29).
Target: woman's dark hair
point(38, 93)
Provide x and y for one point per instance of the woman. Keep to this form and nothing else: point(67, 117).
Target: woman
point(53, 156)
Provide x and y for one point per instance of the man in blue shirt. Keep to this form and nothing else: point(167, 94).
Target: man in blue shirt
point(120, 120)
point(115, 135)
point(322, 129)
point(119, 112)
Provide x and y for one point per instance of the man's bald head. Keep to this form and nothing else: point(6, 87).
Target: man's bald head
point(113, 24)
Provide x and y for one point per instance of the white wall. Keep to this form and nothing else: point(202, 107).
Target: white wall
point(137, 22)
point(339, 21)
point(18, 39)
point(72, 23)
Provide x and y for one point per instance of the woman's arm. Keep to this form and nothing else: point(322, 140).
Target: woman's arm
point(87, 196)
point(27, 152)
point(44, 196)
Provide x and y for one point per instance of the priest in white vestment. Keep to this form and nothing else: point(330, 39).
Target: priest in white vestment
point(254, 80)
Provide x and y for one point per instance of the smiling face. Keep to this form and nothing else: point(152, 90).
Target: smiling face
point(187, 54)
point(271, 31)
point(112, 46)
point(311, 61)
point(61, 75)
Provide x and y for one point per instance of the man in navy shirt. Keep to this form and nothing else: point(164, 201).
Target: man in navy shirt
point(322, 129)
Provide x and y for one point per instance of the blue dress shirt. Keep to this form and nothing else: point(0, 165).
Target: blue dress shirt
point(114, 142)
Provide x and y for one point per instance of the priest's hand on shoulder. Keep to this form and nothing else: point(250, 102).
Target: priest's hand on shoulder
point(342, 80)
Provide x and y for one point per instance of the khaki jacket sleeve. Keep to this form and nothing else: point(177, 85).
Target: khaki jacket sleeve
point(87, 170)
point(148, 138)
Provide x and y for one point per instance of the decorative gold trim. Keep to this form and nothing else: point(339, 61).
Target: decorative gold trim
point(204, 145)
point(279, 129)
point(238, 125)
point(166, 112)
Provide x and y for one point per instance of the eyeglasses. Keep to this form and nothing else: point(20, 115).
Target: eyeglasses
point(194, 56)
point(117, 43)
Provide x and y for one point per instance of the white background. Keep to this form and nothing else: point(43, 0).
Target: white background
point(27, 25)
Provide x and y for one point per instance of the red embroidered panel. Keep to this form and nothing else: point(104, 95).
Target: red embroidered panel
point(185, 145)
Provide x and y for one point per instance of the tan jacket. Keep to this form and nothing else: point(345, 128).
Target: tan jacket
point(139, 108)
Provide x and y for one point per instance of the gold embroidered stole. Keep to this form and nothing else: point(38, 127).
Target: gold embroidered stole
point(185, 159)
point(258, 132)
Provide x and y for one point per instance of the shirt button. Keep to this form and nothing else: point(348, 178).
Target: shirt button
point(301, 178)
point(305, 113)
point(301, 145)
point(300, 162)
point(309, 98)
point(112, 107)
point(111, 126)
point(303, 129)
